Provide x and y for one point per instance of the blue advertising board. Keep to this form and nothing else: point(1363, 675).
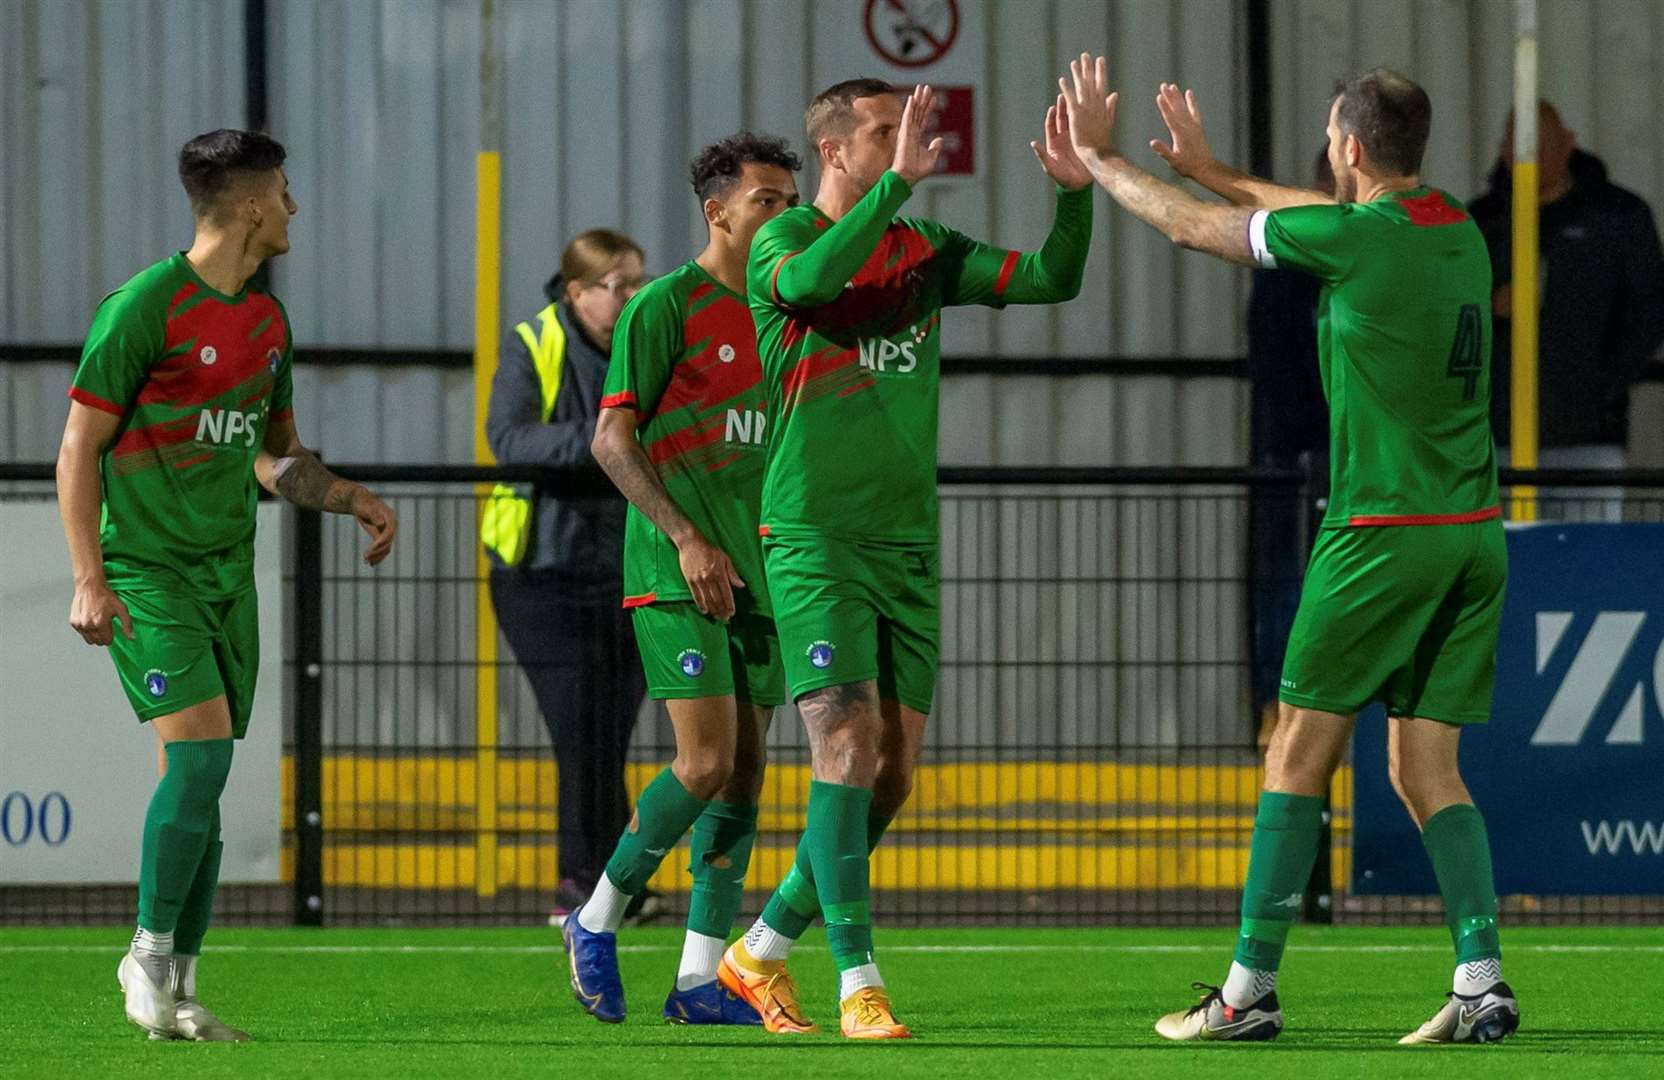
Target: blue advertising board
point(1569, 773)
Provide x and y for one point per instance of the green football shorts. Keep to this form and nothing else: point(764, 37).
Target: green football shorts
point(187, 650)
point(849, 612)
point(1406, 615)
point(688, 654)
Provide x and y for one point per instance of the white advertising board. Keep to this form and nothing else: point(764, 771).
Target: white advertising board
point(76, 767)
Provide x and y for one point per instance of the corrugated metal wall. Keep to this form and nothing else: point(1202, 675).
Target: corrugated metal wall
point(1597, 61)
point(604, 103)
point(96, 98)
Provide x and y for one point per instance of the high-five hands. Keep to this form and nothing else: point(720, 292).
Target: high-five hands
point(1188, 152)
point(1057, 154)
point(915, 159)
point(1091, 107)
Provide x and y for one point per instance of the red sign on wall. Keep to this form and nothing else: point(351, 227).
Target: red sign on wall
point(956, 124)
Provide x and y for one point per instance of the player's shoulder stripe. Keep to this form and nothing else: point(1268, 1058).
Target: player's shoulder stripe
point(1432, 207)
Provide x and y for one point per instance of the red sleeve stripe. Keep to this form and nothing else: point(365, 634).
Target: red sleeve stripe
point(640, 601)
point(774, 280)
point(762, 530)
point(280, 415)
point(1006, 270)
point(620, 399)
point(95, 402)
point(1426, 519)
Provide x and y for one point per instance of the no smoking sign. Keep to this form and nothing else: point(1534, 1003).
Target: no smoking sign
point(912, 33)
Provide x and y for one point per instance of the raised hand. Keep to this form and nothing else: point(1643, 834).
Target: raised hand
point(1188, 153)
point(1057, 155)
point(914, 159)
point(1091, 107)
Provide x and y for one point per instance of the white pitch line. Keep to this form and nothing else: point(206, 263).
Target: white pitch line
point(540, 950)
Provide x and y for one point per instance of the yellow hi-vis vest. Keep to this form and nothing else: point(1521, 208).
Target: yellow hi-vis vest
point(506, 525)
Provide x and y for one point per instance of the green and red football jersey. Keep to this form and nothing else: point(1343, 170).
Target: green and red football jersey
point(684, 356)
point(195, 375)
point(1404, 347)
point(853, 381)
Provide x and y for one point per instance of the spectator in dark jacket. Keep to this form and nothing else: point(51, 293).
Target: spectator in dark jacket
point(557, 583)
point(1601, 297)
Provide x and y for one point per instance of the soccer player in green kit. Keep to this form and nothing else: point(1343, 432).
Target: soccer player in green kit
point(847, 299)
point(682, 434)
point(182, 403)
point(1403, 595)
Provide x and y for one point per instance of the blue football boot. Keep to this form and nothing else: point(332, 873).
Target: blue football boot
point(711, 1003)
point(593, 959)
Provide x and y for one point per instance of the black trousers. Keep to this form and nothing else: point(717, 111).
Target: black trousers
point(577, 647)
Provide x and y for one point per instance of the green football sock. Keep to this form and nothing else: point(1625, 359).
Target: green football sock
point(199, 902)
point(1460, 848)
point(176, 828)
point(722, 839)
point(663, 816)
point(792, 907)
point(837, 841)
point(1286, 833)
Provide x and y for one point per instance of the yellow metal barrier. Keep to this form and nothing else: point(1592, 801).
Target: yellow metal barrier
point(1072, 825)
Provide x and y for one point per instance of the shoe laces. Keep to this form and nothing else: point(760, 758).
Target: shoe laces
point(782, 991)
point(871, 1009)
point(1211, 992)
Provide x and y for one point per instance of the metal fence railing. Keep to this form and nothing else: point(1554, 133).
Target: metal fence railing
point(1108, 639)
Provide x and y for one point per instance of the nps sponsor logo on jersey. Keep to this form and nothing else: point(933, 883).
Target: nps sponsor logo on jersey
point(692, 662)
point(882, 354)
point(1605, 684)
point(745, 426)
point(224, 427)
point(821, 654)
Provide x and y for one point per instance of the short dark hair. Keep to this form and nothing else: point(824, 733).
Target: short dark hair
point(1390, 115)
point(209, 164)
point(716, 169)
point(832, 107)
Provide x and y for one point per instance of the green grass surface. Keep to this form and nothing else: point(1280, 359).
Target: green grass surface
point(1013, 1004)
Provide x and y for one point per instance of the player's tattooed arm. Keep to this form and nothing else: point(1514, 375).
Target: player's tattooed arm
point(293, 473)
point(1178, 215)
point(709, 571)
point(302, 479)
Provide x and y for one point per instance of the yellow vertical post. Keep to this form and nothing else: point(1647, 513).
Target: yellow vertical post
point(1523, 292)
point(488, 178)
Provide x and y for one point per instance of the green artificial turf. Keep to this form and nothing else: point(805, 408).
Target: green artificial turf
point(1015, 1004)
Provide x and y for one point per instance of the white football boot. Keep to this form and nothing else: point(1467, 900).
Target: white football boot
point(148, 1005)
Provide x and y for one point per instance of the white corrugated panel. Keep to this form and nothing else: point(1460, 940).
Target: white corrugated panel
point(1597, 61)
point(604, 103)
point(96, 97)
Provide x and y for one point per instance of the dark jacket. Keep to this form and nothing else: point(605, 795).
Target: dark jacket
point(579, 538)
point(1289, 415)
point(1602, 304)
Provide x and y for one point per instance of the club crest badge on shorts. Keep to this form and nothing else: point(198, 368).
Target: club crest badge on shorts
point(156, 682)
point(821, 654)
point(692, 662)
